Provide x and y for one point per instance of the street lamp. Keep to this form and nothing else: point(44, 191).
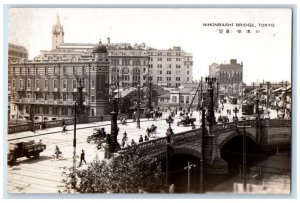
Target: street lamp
point(235, 118)
point(169, 133)
point(74, 139)
point(138, 108)
point(211, 115)
point(150, 93)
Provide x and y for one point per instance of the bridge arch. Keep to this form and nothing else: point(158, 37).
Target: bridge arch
point(180, 151)
point(236, 134)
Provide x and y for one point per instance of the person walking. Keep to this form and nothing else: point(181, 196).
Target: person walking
point(101, 118)
point(63, 122)
point(141, 139)
point(82, 158)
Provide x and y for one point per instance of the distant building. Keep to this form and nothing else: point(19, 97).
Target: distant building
point(171, 67)
point(227, 74)
point(17, 52)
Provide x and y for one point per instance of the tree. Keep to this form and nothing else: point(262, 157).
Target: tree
point(130, 172)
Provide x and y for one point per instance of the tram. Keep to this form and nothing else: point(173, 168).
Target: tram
point(248, 109)
point(233, 100)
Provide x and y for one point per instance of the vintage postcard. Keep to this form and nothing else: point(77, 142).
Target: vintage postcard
point(149, 100)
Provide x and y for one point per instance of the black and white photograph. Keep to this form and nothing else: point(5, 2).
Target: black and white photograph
point(149, 100)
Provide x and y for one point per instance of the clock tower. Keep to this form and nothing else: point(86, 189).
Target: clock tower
point(57, 34)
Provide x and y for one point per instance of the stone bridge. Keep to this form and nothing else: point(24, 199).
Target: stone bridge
point(266, 134)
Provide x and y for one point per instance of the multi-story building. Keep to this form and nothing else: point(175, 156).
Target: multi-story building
point(170, 67)
point(227, 74)
point(48, 88)
point(15, 53)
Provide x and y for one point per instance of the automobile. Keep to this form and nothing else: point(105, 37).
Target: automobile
point(223, 119)
point(24, 149)
point(98, 134)
point(185, 121)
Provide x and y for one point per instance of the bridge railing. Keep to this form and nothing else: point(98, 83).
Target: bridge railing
point(176, 138)
point(192, 134)
point(232, 125)
point(38, 125)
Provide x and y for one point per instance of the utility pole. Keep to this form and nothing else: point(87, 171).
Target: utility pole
point(138, 108)
point(74, 139)
point(244, 155)
point(202, 150)
point(188, 168)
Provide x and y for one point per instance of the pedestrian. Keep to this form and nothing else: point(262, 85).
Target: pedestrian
point(123, 142)
point(146, 138)
point(133, 142)
point(63, 122)
point(82, 158)
point(125, 136)
point(101, 117)
point(141, 139)
point(64, 129)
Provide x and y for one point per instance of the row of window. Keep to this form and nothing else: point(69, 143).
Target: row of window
point(126, 70)
point(55, 110)
point(63, 96)
point(168, 53)
point(187, 99)
point(134, 62)
point(55, 83)
point(168, 66)
point(45, 70)
point(168, 72)
point(161, 59)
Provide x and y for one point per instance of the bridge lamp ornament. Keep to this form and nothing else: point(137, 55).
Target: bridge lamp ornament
point(235, 110)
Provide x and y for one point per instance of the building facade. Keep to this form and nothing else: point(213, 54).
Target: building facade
point(227, 74)
point(171, 67)
point(47, 89)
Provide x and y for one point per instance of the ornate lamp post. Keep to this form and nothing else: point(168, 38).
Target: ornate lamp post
point(138, 108)
point(150, 93)
point(169, 133)
point(218, 86)
point(112, 144)
point(211, 115)
point(235, 111)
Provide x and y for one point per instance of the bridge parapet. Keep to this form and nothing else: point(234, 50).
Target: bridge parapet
point(176, 139)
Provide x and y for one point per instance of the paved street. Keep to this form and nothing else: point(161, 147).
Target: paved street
point(43, 175)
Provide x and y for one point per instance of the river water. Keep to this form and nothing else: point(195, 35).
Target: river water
point(275, 176)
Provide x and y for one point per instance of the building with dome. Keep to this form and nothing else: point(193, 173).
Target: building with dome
point(48, 90)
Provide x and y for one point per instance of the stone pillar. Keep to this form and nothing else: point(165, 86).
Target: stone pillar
point(262, 135)
point(213, 163)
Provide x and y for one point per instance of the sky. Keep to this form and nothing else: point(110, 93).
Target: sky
point(265, 52)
